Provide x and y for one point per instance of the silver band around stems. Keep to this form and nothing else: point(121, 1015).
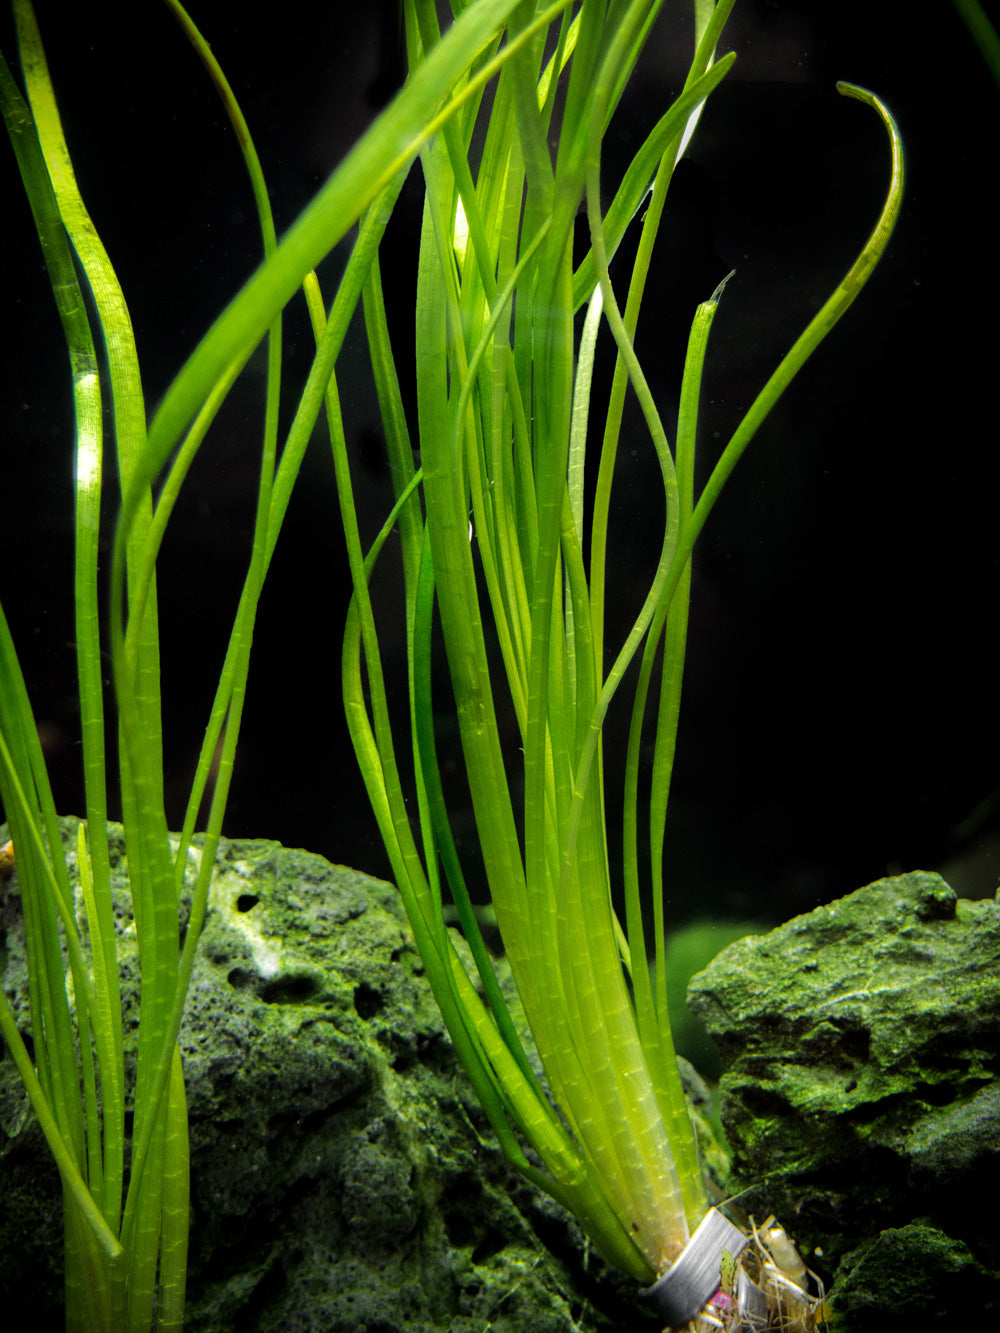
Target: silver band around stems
point(751, 1304)
point(693, 1279)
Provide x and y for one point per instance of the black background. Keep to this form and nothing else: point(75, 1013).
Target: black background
point(840, 715)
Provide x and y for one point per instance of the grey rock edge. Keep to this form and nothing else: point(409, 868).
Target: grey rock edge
point(861, 1046)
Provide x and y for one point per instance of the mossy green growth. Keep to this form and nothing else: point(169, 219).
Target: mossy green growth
point(860, 1049)
point(909, 1277)
point(343, 1173)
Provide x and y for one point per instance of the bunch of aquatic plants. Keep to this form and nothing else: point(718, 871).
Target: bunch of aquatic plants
point(115, 1118)
point(125, 1193)
point(117, 1125)
point(499, 541)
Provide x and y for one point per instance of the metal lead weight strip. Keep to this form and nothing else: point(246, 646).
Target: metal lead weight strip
point(751, 1303)
point(693, 1279)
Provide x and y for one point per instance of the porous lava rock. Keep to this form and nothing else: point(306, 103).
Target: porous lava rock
point(860, 1046)
point(344, 1178)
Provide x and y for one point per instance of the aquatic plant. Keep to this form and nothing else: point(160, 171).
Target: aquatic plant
point(982, 32)
point(498, 533)
point(125, 1189)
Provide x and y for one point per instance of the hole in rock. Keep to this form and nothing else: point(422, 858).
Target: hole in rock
point(367, 1000)
point(294, 988)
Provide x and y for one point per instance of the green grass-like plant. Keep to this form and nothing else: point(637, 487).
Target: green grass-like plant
point(507, 111)
point(504, 549)
point(125, 1228)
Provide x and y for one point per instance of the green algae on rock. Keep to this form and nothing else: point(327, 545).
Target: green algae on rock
point(344, 1177)
point(910, 1277)
point(860, 1045)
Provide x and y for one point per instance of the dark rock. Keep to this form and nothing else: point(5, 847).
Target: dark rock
point(344, 1178)
point(860, 1045)
point(909, 1277)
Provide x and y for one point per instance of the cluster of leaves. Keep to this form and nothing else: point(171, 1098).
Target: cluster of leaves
point(505, 420)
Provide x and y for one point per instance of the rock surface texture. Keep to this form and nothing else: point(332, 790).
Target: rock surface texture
point(344, 1179)
point(860, 1095)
